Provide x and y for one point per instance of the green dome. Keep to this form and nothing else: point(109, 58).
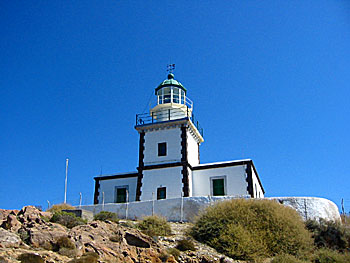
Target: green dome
point(170, 82)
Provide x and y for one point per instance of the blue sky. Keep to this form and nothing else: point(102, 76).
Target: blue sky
point(269, 81)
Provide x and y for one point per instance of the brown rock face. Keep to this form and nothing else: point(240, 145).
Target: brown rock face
point(114, 242)
point(9, 239)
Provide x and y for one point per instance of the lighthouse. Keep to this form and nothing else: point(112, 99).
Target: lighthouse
point(169, 158)
point(169, 144)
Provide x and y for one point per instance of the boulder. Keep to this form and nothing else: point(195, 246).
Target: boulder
point(9, 239)
point(11, 223)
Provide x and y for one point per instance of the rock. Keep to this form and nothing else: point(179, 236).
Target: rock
point(30, 214)
point(44, 235)
point(114, 242)
point(9, 239)
point(11, 223)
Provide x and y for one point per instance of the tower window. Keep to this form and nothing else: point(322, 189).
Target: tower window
point(162, 149)
point(161, 193)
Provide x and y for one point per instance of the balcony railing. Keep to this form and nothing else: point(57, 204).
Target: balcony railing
point(167, 115)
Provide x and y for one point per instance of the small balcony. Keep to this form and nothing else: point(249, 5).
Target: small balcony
point(166, 115)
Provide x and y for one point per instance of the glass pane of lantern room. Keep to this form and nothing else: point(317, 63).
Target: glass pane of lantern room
point(167, 95)
point(160, 96)
point(182, 97)
point(176, 92)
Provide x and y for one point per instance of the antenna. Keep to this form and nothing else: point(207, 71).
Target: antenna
point(65, 182)
point(170, 68)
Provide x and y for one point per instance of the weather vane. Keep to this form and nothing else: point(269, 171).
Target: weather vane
point(170, 68)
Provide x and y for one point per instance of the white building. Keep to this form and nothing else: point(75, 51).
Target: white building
point(169, 159)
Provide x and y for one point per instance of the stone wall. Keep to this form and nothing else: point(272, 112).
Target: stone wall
point(188, 208)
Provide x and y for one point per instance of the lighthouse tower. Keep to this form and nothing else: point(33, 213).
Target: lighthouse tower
point(169, 144)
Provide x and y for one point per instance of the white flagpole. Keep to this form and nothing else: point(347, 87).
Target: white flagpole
point(65, 183)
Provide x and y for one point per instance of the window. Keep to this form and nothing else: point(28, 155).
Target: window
point(161, 193)
point(121, 194)
point(176, 95)
point(218, 186)
point(162, 149)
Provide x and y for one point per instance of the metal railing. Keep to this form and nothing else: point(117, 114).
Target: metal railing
point(168, 115)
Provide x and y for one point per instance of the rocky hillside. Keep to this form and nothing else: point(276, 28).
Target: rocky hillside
point(28, 236)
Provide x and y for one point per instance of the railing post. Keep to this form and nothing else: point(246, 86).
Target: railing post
point(169, 113)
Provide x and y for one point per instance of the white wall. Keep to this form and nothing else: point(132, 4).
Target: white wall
point(173, 139)
point(236, 183)
point(171, 178)
point(308, 207)
point(192, 150)
point(258, 192)
point(108, 187)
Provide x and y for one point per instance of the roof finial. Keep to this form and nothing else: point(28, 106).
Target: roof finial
point(170, 68)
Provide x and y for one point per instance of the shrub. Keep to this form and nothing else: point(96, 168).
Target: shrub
point(67, 219)
point(251, 229)
point(30, 258)
point(330, 256)
point(89, 257)
point(128, 224)
point(60, 207)
point(155, 226)
point(170, 252)
point(105, 215)
point(65, 246)
point(329, 234)
point(185, 244)
point(285, 258)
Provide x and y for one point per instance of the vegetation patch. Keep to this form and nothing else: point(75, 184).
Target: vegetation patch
point(107, 216)
point(165, 255)
point(324, 255)
point(60, 207)
point(30, 258)
point(329, 234)
point(65, 246)
point(185, 244)
point(286, 258)
point(252, 229)
point(68, 220)
point(155, 226)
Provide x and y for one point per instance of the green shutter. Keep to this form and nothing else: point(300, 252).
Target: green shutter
point(218, 187)
point(121, 195)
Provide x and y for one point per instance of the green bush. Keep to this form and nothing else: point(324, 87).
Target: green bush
point(252, 229)
point(170, 252)
point(330, 256)
point(89, 257)
point(67, 219)
point(106, 215)
point(65, 246)
point(60, 207)
point(155, 226)
point(329, 234)
point(185, 244)
point(285, 258)
point(30, 258)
